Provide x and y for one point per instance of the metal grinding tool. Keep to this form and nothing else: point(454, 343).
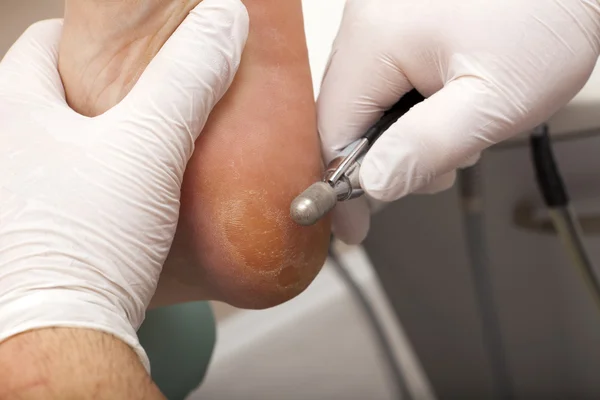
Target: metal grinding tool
point(341, 180)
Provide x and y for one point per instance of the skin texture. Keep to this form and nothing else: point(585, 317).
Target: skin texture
point(235, 240)
point(59, 364)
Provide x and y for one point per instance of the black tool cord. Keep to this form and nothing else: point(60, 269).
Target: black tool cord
point(407, 102)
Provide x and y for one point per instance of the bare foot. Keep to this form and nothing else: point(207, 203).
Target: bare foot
point(235, 241)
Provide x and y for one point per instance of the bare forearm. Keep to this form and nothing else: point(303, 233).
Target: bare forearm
point(72, 364)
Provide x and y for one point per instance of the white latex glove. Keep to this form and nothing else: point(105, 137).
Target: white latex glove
point(490, 69)
point(89, 206)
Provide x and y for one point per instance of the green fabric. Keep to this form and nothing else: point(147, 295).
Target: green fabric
point(179, 341)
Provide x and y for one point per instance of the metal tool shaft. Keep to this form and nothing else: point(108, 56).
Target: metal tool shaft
point(354, 151)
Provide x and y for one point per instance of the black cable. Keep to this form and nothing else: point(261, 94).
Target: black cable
point(387, 351)
point(408, 101)
point(565, 221)
point(547, 174)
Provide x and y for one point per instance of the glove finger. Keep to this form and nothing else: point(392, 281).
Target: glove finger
point(375, 205)
point(439, 184)
point(470, 161)
point(30, 65)
point(351, 221)
point(192, 71)
point(359, 84)
point(435, 137)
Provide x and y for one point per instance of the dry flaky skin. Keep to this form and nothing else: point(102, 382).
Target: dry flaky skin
point(235, 240)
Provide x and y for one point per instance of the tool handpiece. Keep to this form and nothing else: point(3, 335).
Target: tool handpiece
point(341, 179)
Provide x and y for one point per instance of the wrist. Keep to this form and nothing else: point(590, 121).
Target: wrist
point(71, 363)
point(66, 308)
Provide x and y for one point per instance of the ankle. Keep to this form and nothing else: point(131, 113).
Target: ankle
point(114, 43)
point(102, 19)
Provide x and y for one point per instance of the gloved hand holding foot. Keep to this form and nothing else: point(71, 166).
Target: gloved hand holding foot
point(489, 69)
point(89, 206)
point(235, 241)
